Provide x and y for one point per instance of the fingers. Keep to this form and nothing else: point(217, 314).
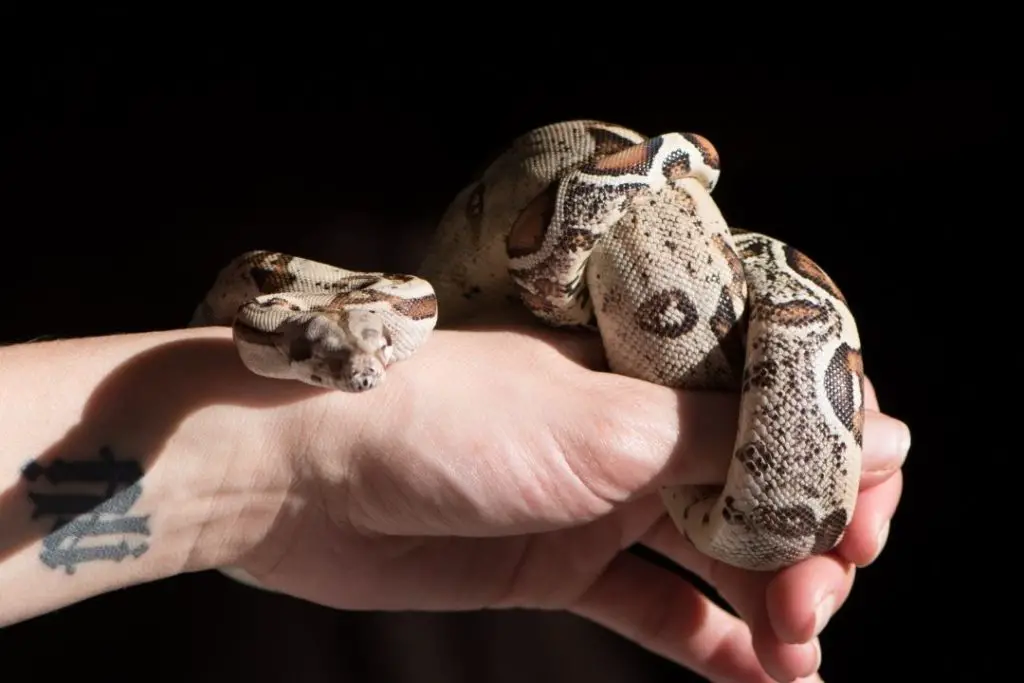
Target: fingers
point(787, 610)
point(705, 432)
point(886, 441)
point(800, 600)
point(697, 430)
point(886, 444)
point(866, 536)
point(746, 592)
point(663, 613)
point(870, 396)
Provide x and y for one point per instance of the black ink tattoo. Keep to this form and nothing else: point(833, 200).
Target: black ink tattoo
point(106, 490)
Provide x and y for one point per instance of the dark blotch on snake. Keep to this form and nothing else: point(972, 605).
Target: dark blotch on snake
point(656, 314)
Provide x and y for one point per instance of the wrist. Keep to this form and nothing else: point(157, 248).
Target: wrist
point(232, 490)
point(144, 456)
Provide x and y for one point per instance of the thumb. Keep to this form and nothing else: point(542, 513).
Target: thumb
point(673, 437)
point(635, 437)
point(697, 441)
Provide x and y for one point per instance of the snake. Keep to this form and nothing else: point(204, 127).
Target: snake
point(592, 226)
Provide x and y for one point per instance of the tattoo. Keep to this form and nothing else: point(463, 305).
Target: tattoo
point(94, 502)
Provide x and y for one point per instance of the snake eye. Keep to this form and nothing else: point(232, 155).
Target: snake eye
point(373, 337)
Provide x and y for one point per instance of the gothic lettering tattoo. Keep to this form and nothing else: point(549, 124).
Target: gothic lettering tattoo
point(89, 502)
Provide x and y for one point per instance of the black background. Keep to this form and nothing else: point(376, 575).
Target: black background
point(132, 169)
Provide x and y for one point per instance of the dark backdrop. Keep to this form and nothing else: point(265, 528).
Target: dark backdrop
point(131, 171)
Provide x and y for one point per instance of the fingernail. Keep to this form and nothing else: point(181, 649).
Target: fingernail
point(904, 444)
point(823, 612)
point(883, 536)
point(813, 676)
point(899, 444)
point(880, 539)
point(887, 448)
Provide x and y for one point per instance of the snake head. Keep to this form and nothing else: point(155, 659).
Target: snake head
point(349, 351)
point(361, 373)
point(370, 351)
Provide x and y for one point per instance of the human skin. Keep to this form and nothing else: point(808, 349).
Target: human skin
point(492, 456)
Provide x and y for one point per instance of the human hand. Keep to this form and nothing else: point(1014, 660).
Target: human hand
point(498, 469)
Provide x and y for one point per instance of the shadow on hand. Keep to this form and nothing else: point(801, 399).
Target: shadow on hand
point(86, 482)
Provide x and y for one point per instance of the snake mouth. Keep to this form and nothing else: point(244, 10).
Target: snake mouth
point(365, 378)
point(361, 383)
point(353, 371)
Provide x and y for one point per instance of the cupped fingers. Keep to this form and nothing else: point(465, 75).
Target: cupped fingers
point(868, 531)
point(886, 444)
point(886, 441)
point(747, 592)
point(801, 599)
point(665, 614)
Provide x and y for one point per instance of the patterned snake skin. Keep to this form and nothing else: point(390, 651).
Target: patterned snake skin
point(592, 225)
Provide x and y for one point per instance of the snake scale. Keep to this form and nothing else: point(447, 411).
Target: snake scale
point(592, 225)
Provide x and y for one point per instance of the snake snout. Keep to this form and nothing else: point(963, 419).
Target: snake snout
point(363, 382)
point(365, 372)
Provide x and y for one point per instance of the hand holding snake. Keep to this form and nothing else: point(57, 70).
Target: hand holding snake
point(592, 226)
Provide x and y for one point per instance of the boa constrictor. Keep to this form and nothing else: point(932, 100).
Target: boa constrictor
point(593, 225)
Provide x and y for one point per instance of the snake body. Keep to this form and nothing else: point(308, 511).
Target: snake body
point(592, 225)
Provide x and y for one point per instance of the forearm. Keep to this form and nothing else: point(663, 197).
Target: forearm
point(128, 459)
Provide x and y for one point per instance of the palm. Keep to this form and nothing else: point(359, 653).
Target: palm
point(334, 566)
point(531, 502)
